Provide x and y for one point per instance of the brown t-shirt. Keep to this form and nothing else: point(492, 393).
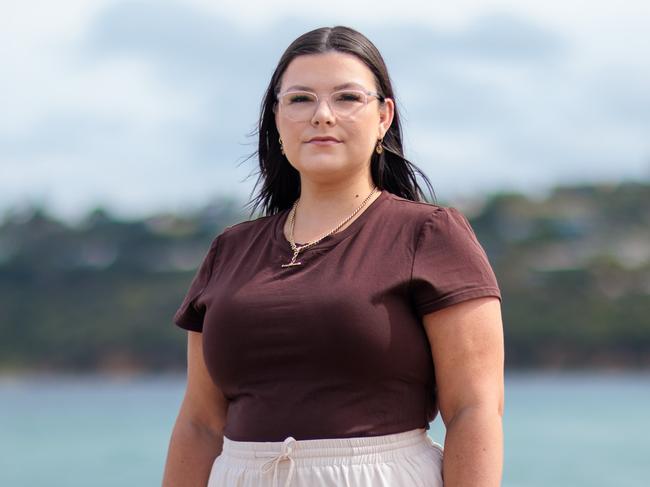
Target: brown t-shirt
point(334, 347)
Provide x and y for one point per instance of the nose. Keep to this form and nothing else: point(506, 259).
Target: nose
point(325, 115)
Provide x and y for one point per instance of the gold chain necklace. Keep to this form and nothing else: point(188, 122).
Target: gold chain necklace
point(296, 249)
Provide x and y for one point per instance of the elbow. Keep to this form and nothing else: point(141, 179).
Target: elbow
point(488, 411)
point(206, 432)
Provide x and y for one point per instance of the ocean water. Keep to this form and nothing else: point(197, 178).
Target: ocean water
point(560, 429)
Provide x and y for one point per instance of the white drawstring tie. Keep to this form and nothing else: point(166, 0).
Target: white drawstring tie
point(285, 454)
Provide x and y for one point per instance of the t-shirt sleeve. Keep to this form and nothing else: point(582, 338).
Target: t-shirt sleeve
point(449, 265)
point(190, 313)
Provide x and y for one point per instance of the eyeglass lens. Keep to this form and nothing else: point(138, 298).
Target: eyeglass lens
point(301, 105)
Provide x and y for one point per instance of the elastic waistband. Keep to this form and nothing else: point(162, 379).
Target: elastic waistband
point(329, 451)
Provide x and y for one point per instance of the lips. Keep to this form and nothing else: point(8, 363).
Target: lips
point(324, 139)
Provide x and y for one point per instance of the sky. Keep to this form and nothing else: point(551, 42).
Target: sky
point(142, 107)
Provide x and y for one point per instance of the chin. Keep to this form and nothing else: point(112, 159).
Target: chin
point(324, 163)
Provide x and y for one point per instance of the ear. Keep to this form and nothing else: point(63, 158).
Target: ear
point(386, 114)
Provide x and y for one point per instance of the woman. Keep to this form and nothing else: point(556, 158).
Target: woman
point(325, 336)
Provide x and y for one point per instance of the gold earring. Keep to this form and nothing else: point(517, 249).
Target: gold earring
point(281, 146)
point(379, 149)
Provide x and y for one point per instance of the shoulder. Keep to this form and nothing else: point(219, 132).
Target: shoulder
point(422, 212)
point(432, 226)
point(247, 229)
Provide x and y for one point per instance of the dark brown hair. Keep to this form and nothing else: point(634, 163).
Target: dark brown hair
point(280, 181)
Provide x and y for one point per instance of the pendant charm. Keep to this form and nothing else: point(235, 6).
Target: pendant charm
point(293, 260)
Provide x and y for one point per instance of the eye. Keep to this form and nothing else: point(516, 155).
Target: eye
point(299, 98)
point(349, 96)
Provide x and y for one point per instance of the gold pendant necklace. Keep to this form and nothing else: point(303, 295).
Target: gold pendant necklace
point(293, 259)
point(296, 249)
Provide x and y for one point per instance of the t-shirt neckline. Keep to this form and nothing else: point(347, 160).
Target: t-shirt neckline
point(334, 238)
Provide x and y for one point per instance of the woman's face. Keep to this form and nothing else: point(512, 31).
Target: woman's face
point(358, 136)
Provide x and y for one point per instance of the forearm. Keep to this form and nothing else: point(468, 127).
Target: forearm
point(473, 453)
point(192, 450)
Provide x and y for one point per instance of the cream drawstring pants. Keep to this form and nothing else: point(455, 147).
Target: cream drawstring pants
point(407, 459)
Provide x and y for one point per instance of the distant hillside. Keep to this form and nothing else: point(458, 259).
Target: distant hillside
point(574, 270)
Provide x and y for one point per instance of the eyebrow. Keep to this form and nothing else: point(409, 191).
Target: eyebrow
point(337, 87)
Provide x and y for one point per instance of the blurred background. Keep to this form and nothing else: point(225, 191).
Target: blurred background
point(124, 141)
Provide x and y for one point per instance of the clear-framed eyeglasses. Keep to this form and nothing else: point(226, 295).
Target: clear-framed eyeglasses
point(300, 106)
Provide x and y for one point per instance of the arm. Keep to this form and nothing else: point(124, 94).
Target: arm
point(197, 437)
point(467, 347)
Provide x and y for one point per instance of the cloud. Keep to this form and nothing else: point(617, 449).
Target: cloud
point(500, 38)
point(185, 44)
point(171, 89)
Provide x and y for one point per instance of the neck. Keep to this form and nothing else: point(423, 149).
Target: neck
point(325, 202)
point(322, 208)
